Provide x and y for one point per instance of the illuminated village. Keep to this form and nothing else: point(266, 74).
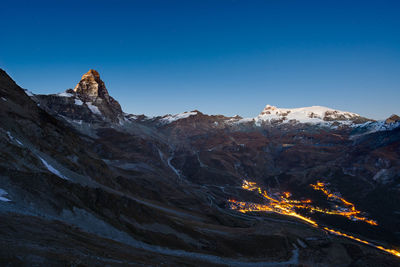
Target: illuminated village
point(281, 204)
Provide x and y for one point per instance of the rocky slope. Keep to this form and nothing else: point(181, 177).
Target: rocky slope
point(107, 188)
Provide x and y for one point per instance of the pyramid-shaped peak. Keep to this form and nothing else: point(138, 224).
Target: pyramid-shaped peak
point(91, 73)
point(91, 85)
point(91, 89)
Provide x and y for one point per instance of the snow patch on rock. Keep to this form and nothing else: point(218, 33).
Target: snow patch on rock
point(65, 94)
point(12, 138)
point(93, 108)
point(78, 102)
point(29, 93)
point(171, 118)
point(52, 169)
point(3, 195)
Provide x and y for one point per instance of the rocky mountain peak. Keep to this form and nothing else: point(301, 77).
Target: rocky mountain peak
point(91, 86)
point(92, 90)
point(392, 119)
point(268, 109)
point(88, 101)
point(92, 73)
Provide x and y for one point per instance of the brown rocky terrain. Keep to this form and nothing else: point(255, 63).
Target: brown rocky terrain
point(86, 184)
point(392, 119)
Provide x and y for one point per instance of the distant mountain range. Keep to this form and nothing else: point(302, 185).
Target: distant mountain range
point(84, 183)
point(92, 97)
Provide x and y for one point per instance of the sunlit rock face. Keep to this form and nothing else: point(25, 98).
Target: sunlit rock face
point(91, 86)
point(392, 119)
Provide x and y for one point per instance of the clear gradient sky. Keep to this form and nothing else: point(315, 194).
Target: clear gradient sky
point(220, 57)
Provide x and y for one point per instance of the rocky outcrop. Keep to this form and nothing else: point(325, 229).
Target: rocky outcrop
point(91, 86)
point(392, 119)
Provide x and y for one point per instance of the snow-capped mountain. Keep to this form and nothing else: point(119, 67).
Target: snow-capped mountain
point(172, 118)
point(91, 103)
point(312, 115)
point(272, 115)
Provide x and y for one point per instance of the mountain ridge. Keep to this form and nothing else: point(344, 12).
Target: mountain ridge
point(92, 90)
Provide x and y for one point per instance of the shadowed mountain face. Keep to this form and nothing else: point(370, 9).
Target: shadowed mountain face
point(81, 182)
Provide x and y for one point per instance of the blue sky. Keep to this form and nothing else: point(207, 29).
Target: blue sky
point(220, 57)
